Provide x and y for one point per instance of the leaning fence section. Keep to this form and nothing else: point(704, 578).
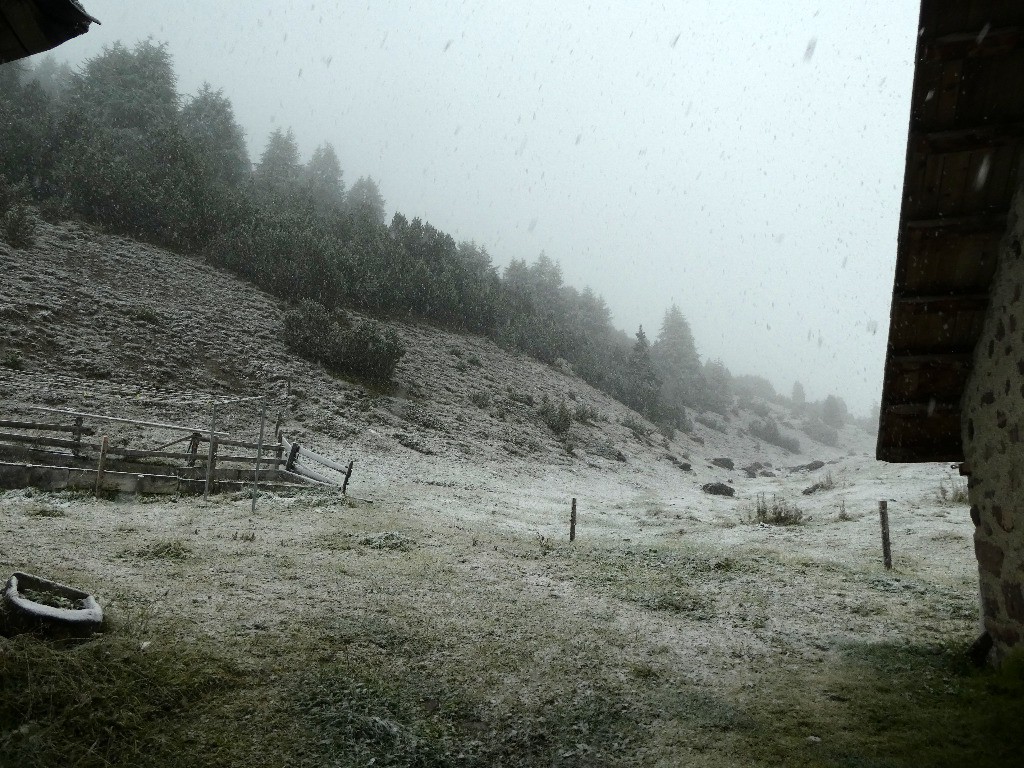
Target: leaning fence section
point(195, 461)
point(311, 465)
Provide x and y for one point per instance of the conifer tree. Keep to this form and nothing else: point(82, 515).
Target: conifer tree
point(277, 173)
point(642, 381)
point(208, 121)
point(799, 398)
point(365, 201)
point(324, 179)
point(678, 364)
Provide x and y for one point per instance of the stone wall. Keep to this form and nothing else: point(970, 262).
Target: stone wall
point(993, 435)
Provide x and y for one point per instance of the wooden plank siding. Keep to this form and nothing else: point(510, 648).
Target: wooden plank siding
point(963, 166)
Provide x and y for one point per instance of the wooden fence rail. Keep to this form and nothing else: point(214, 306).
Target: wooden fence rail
point(299, 458)
point(270, 455)
point(5, 424)
point(52, 442)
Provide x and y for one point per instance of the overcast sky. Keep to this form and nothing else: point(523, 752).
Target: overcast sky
point(742, 159)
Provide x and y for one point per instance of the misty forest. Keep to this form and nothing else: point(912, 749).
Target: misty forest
point(116, 145)
point(300, 481)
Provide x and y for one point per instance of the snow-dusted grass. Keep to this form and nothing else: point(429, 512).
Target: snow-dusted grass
point(453, 618)
point(450, 622)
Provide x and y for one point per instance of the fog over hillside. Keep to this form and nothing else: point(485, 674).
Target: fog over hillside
point(745, 166)
point(464, 385)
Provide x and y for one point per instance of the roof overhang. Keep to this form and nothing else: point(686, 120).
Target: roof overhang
point(962, 169)
point(33, 26)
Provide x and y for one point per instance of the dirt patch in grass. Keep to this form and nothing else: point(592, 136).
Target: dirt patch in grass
point(45, 510)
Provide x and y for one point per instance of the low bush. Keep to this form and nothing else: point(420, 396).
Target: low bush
point(19, 225)
point(11, 194)
point(362, 349)
point(768, 430)
point(523, 398)
point(711, 422)
point(586, 414)
point(557, 417)
point(640, 430)
point(759, 408)
point(479, 398)
point(671, 418)
point(368, 351)
point(821, 432)
point(844, 516)
point(827, 484)
point(778, 512)
point(12, 359)
point(952, 492)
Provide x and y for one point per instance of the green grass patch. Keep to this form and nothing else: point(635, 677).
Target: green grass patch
point(45, 510)
point(106, 702)
point(163, 550)
point(896, 706)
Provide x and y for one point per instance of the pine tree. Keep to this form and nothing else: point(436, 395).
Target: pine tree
point(834, 411)
point(278, 171)
point(53, 76)
point(365, 200)
point(642, 381)
point(324, 179)
point(208, 121)
point(799, 398)
point(129, 90)
point(124, 161)
point(678, 364)
point(717, 387)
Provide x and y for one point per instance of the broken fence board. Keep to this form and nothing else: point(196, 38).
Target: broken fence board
point(312, 474)
point(7, 424)
point(54, 442)
point(285, 475)
point(305, 453)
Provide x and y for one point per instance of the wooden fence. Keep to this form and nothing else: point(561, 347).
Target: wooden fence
point(284, 460)
point(299, 461)
point(271, 455)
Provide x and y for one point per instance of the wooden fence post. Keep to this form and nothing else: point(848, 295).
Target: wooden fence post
point(213, 449)
point(77, 433)
point(292, 455)
point(572, 522)
point(100, 465)
point(193, 448)
point(348, 474)
point(259, 454)
point(883, 516)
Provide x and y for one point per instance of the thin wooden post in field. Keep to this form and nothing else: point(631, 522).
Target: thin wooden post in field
point(209, 455)
point(100, 465)
point(883, 516)
point(348, 474)
point(77, 450)
point(259, 453)
point(572, 522)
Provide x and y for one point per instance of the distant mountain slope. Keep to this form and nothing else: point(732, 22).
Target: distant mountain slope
point(112, 325)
